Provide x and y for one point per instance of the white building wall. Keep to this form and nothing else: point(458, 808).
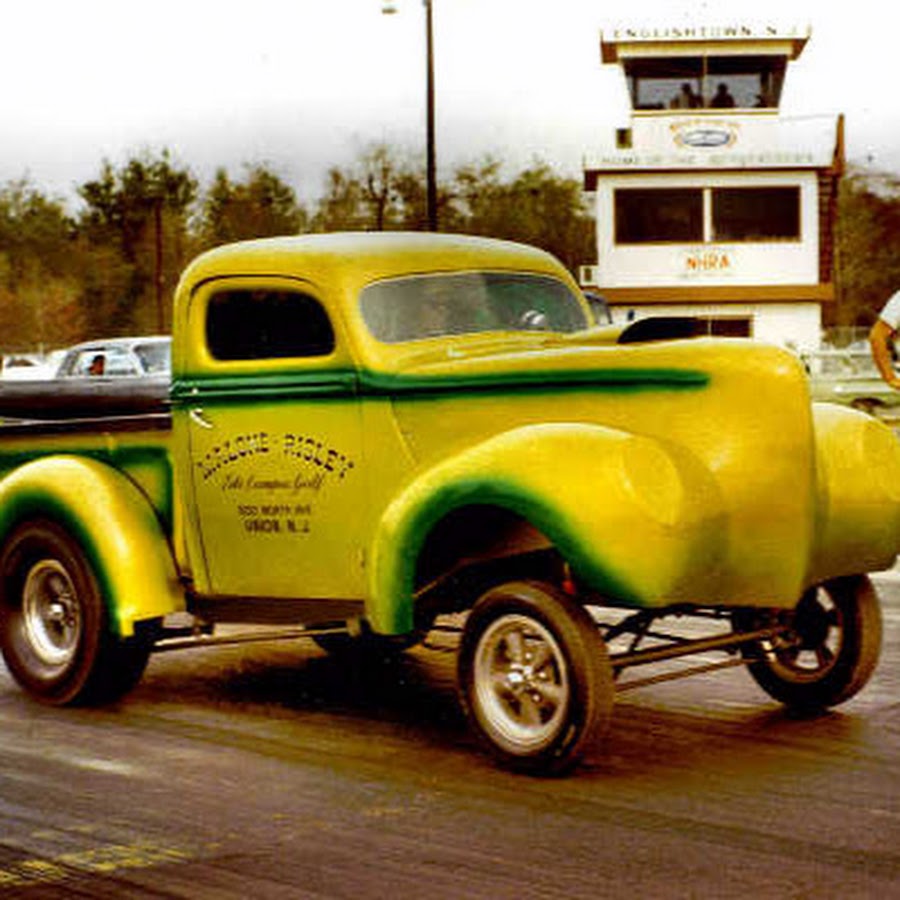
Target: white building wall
point(709, 263)
point(795, 325)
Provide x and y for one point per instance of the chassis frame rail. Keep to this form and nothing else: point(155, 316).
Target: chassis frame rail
point(637, 627)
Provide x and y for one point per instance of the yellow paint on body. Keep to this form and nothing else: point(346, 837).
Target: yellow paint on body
point(677, 471)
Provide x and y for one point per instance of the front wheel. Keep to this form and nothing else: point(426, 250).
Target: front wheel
point(534, 676)
point(55, 633)
point(829, 650)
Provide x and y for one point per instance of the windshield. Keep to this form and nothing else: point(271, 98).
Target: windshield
point(423, 306)
point(156, 357)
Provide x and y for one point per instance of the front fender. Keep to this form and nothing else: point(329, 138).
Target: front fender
point(112, 520)
point(639, 521)
point(857, 494)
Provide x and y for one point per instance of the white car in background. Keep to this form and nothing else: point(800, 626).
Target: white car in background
point(118, 357)
point(847, 375)
point(31, 366)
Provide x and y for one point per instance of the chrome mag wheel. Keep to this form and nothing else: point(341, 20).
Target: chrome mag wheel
point(51, 614)
point(521, 683)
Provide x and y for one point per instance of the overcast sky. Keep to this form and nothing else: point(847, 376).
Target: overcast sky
point(304, 84)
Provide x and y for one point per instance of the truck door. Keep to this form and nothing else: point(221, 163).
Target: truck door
point(269, 412)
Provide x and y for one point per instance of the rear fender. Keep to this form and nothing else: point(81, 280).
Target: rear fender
point(639, 521)
point(112, 520)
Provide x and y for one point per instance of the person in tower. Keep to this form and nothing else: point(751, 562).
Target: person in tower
point(722, 98)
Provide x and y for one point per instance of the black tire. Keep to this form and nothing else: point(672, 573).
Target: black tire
point(336, 644)
point(870, 405)
point(55, 631)
point(535, 679)
point(366, 643)
point(830, 650)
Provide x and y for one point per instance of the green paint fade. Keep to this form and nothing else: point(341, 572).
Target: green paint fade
point(393, 611)
point(350, 384)
point(127, 460)
point(308, 385)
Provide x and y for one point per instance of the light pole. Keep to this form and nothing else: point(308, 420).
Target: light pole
point(388, 8)
point(158, 262)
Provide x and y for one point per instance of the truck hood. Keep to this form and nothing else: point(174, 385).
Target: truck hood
point(716, 396)
point(739, 410)
point(498, 362)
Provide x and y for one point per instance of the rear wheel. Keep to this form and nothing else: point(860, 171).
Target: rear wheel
point(535, 679)
point(829, 650)
point(55, 632)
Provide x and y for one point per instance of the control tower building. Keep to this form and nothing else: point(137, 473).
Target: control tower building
point(711, 203)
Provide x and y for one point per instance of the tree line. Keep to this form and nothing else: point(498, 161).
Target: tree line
point(111, 267)
point(868, 246)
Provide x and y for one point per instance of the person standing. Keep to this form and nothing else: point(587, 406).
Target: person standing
point(881, 339)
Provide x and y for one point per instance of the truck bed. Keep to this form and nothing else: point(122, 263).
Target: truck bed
point(124, 423)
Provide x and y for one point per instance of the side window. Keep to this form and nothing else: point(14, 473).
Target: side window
point(264, 324)
point(756, 214)
point(102, 361)
point(82, 363)
point(658, 215)
point(119, 362)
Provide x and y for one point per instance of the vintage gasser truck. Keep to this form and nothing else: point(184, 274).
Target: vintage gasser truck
point(365, 432)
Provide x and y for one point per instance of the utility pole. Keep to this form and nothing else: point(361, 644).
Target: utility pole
point(430, 167)
point(388, 7)
point(158, 264)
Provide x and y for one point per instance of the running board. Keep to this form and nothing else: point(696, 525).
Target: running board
point(189, 640)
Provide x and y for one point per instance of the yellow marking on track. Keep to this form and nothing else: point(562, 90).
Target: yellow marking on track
point(100, 860)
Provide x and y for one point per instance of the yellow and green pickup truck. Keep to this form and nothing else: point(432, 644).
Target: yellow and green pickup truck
point(364, 433)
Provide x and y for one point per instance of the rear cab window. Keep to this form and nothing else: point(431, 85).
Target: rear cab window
point(263, 323)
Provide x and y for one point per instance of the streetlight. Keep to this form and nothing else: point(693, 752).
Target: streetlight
point(388, 7)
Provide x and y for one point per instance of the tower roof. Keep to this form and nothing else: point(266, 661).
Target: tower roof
point(622, 42)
